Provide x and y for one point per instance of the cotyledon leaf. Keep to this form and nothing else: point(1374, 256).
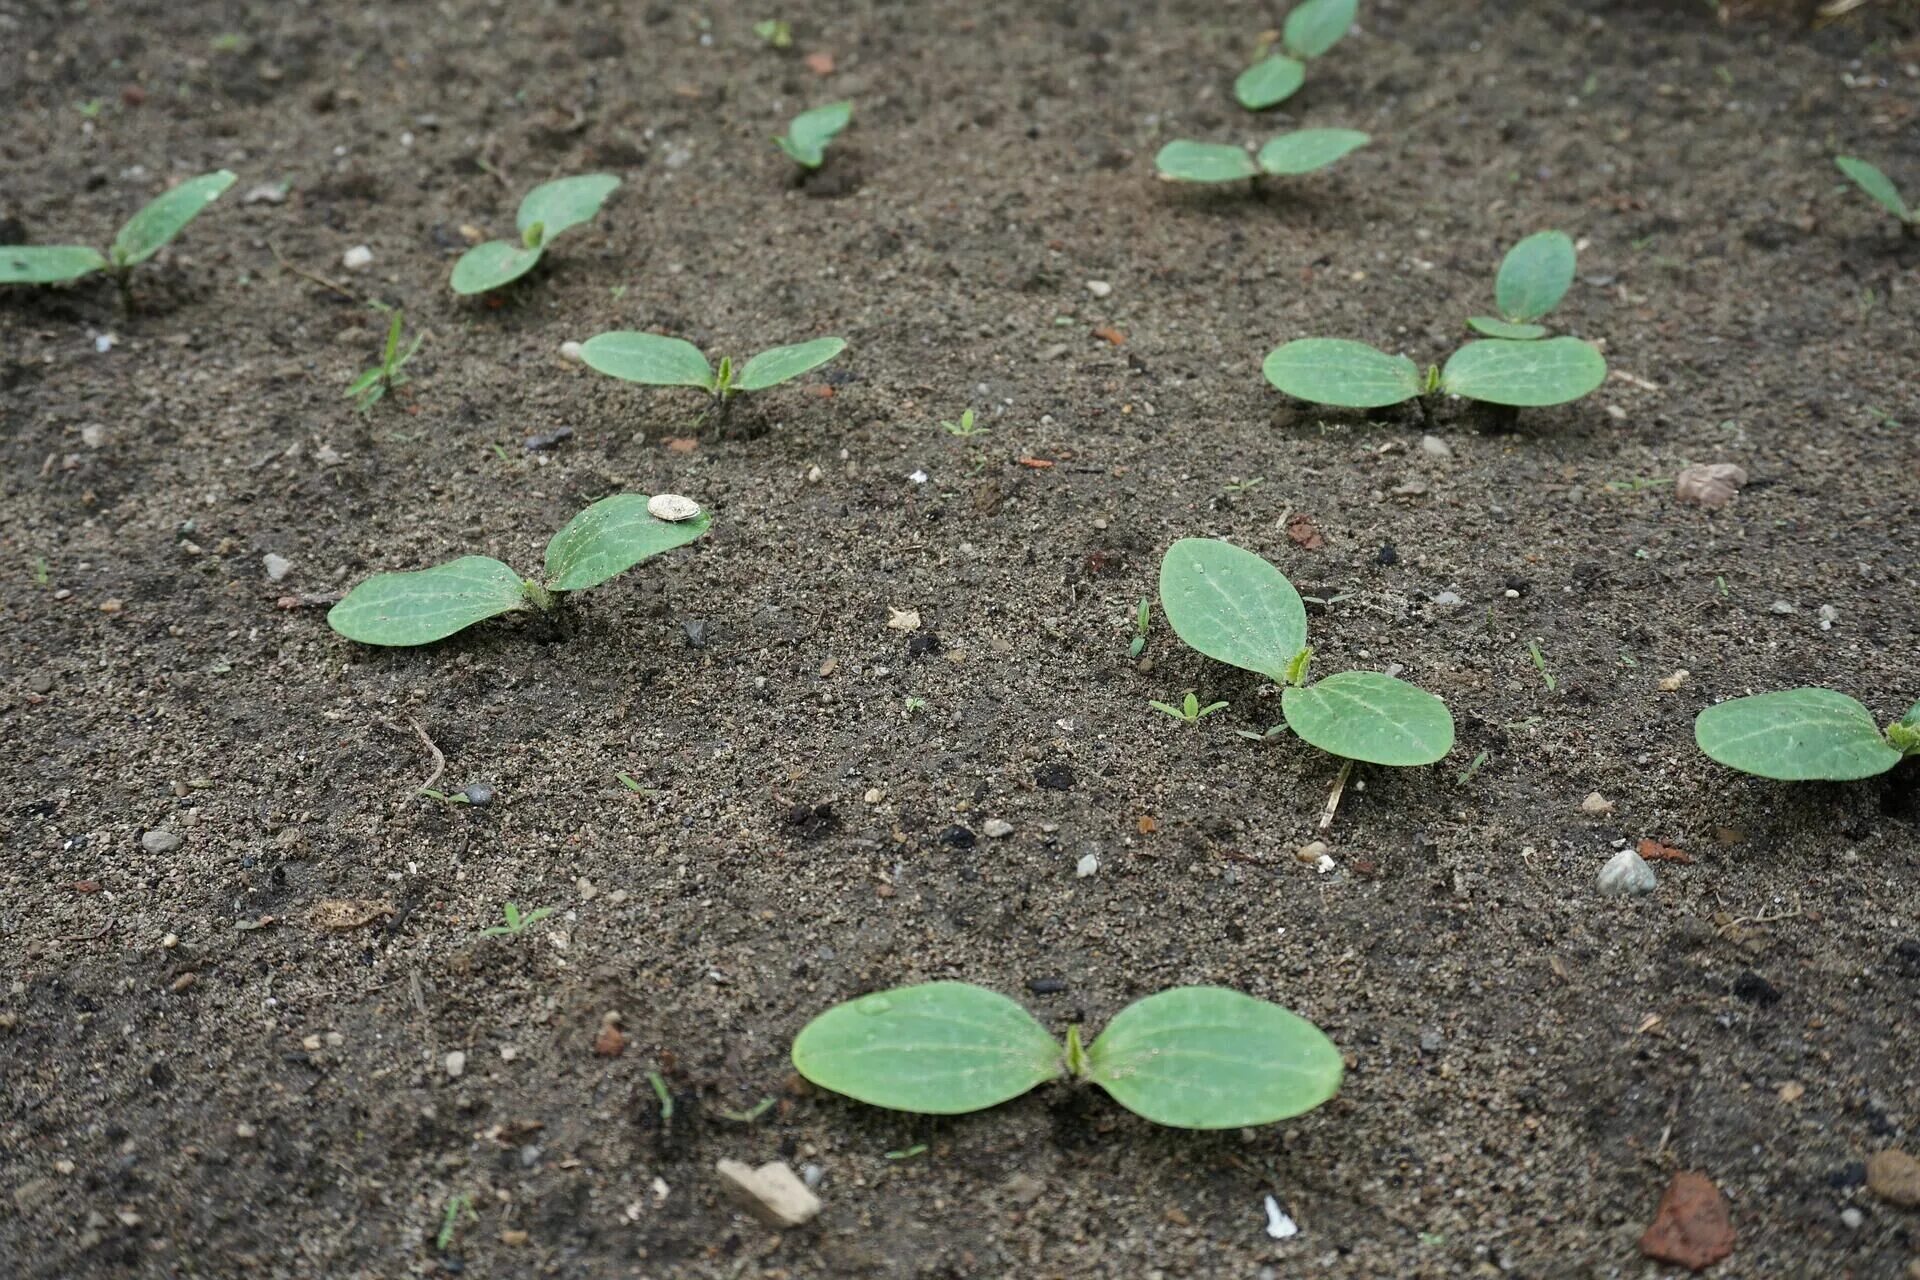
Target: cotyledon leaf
point(1184, 160)
point(427, 604)
point(1523, 374)
point(1315, 26)
point(1336, 371)
point(492, 265)
point(564, 203)
point(779, 364)
point(1876, 184)
point(164, 216)
point(808, 134)
point(1795, 735)
point(612, 536)
point(1269, 82)
point(1534, 276)
point(1232, 606)
point(1370, 717)
point(1305, 150)
point(651, 358)
point(939, 1048)
point(1494, 327)
point(47, 263)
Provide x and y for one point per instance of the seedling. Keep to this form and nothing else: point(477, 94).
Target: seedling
point(1190, 1057)
point(145, 234)
point(1287, 155)
point(1310, 30)
point(1533, 277)
point(1805, 735)
point(367, 389)
point(457, 1206)
point(965, 427)
point(660, 361)
point(1880, 187)
point(608, 538)
point(517, 922)
point(1540, 665)
point(1190, 710)
point(775, 32)
point(547, 210)
point(1142, 619)
point(808, 133)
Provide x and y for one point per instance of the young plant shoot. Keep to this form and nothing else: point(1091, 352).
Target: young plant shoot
point(1533, 277)
point(1313, 27)
point(1189, 1057)
point(369, 388)
point(1880, 187)
point(1235, 608)
point(547, 210)
point(608, 538)
point(660, 361)
point(1805, 735)
point(144, 235)
point(808, 134)
point(1287, 155)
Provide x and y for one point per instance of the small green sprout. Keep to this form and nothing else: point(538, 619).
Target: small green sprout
point(1268, 734)
point(1533, 277)
point(517, 922)
point(664, 1094)
point(1540, 664)
point(1142, 620)
point(1313, 27)
point(750, 1114)
point(808, 134)
point(1189, 1057)
point(1880, 187)
point(1236, 608)
point(1466, 775)
point(90, 109)
point(38, 568)
point(368, 389)
point(965, 427)
point(1804, 735)
point(659, 361)
point(608, 538)
point(547, 210)
point(907, 1153)
point(144, 235)
point(775, 32)
point(1286, 155)
point(457, 1206)
point(1190, 710)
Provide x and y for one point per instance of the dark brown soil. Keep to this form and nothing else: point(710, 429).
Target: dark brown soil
point(198, 1080)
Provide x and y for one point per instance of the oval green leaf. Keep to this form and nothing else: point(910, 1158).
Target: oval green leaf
point(1212, 1058)
point(1269, 82)
point(1494, 327)
point(492, 265)
point(1370, 717)
point(1534, 276)
point(781, 364)
point(563, 203)
point(164, 216)
point(1876, 184)
point(1232, 606)
point(428, 604)
point(1524, 374)
point(1305, 150)
point(612, 536)
point(47, 263)
point(1795, 735)
point(809, 132)
point(1317, 25)
point(1336, 371)
point(652, 358)
point(940, 1048)
point(1186, 161)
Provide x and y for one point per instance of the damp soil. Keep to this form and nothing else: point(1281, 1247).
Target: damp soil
point(199, 1077)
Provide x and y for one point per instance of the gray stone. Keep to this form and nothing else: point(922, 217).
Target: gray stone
point(1626, 873)
point(160, 842)
point(773, 1193)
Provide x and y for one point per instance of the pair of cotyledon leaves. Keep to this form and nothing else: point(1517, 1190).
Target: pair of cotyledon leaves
point(1879, 187)
point(145, 233)
point(1189, 1057)
point(1236, 608)
point(1804, 735)
point(547, 210)
point(808, 133)
point(660, 361)
point(1309, 31)
point(1301, 151)
point(420, 607)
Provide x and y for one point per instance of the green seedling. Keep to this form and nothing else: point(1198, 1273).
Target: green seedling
point(1268, 734)
point(608, 538)
point(1877, 185)
point(547, 210)
point(367, 390)
point(664, 1094)
point(1287, 155)
point(144, 235)
point(965, 427)
point(457, 1206)
point(38, 568)
point(775, 32)
point(1190, 1057)
point(517, 922)
point(659, 361)
point(906, 1153)
point(808, 133)
point(1190, 710)
point(1533, 277)
point(1236, 608)
point(1805, 735)
point(1142, 619)
point(1540, 665)
point(1310, 30)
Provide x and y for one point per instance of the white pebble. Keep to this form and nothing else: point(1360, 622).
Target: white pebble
point(1099, 288)
point(1626, 873)
point(1086, 866)
point(570, 351)
point(672, 507)
point(998, 828)
point(358, 258)
point(456, 1064)
point(277, 566)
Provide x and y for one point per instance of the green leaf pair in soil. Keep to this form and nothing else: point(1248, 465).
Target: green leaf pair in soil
point(1313, 27)
point(659, 361)
point(1881, 189)
point(547, 210)
point(808, 133)
point(145, 234)
point(1286, 155)
point(1533, 277)
point(608, 538)
point(1805, 735)
point(1189, 1057)
point(1236, 608)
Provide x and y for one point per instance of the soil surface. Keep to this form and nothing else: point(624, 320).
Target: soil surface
point(200, 1077)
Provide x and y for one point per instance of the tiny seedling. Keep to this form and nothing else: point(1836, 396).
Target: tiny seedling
point(1880, 187)
point(1189, 1057)
point(547, 210)
point(367, 390)
point(517, 922)
point(1540, 665)
point(457, 1206)
point(659, 361)
point(1533, 277)
point(808, 133)
point(145, 234)
point(664, 1094)
point(1142, 619)
point(965, 427)
point(420, 607)
point(38, 567)
point(1805, 735)
point(776, 32)
point(1286, 155)
point(1190, 710)
point(1313, 27)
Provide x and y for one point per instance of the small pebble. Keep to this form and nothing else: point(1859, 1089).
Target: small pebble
point(997, 828)
point(1672, 683)
point(570, 351)
point(1435, 447)
point(456, 1064)
point(278, 567)
point(478, 794)
point(1596, 803)
point(159, 842)
point(1086, 866)
point(1626, 873)
point(812, 1175)
point(1099, 288)
point(1448, 598)
point(358, 258)
point(1852, 1218)
point(672, 507)
point(1311, 852)
point(1781, 606)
